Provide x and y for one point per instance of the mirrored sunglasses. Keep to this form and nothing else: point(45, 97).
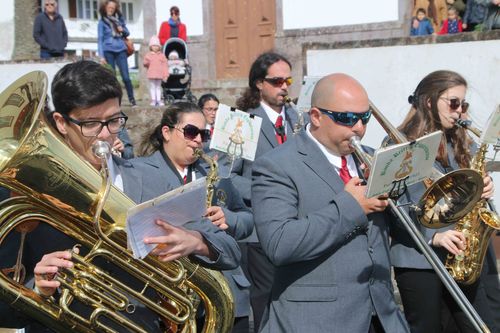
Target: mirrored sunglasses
point(278, 81)
point(191, 132)
point(347, 118)
point(455, 103)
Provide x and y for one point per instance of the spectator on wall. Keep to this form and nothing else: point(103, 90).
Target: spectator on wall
point(453, 24)
point(421, 25)
point(492, 19)
point(173, 27)
point(49, 31)
point(436, 10)
point(475, 12)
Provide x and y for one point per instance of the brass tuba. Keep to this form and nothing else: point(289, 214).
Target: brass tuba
point(56, 187)
point(476, 226)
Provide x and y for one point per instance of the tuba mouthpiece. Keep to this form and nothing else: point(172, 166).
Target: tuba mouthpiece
point(101, 149)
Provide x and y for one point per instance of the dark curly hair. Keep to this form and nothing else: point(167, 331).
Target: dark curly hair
point(251, 96)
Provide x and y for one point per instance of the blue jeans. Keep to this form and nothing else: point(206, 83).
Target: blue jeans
point(44, 54)
point(120, 59)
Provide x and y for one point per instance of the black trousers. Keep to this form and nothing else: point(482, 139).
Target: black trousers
point(376, 326)
point(261, 276)
point(425, 300)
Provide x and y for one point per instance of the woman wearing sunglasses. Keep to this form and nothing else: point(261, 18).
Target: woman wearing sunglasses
point(171, 145)
point(437, 103)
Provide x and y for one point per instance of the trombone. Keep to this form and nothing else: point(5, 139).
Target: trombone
point(403, 216)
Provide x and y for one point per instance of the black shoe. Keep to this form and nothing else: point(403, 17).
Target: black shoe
point(132, 102)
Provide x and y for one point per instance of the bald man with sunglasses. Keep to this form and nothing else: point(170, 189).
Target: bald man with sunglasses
point(328, 241)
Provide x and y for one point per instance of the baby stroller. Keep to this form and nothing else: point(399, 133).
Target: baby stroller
point(178, 83)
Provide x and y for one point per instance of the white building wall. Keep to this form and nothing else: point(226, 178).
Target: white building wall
point(7, 29)
point(298, 14)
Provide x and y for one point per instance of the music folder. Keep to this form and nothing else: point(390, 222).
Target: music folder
point(177, 207)
point(236, 133)
point(409, 161)
point(491, 134)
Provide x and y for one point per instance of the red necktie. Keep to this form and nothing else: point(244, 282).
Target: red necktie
point(185, 179)
point(280, 130)
point(344, 172)
point(211, 131)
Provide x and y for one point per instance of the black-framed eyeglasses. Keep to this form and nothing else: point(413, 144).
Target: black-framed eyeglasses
point(92, 128)
point(347, 118)
point(278, 81)
point(191, 132)
point(455, 103)
point(50, 4)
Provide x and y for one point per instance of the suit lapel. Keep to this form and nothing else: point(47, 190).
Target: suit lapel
point(132, 179)
point(267, 127)
point(314, 158)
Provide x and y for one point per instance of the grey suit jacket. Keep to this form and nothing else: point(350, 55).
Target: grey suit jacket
point(241, 173)
point(332, 260)
point(238, 217)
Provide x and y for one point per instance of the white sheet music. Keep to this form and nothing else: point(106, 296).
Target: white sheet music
point(177, 207)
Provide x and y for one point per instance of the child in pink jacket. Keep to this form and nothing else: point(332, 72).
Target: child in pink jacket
point(156, 63)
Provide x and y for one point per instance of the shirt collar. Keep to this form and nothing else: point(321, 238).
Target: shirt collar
point(114, 173)
point(271, 114)
point(335, 160)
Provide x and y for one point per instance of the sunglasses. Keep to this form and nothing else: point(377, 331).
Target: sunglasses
point(455, 103)
point(191, 132)
point(347, 118)
point(278, 81)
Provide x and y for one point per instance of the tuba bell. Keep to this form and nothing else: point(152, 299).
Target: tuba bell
point(55, 187)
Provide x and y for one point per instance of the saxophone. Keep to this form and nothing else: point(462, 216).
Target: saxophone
point(476, 226)
point(212, 176)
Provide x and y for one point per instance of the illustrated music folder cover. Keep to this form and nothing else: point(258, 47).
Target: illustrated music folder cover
point(411, 160)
